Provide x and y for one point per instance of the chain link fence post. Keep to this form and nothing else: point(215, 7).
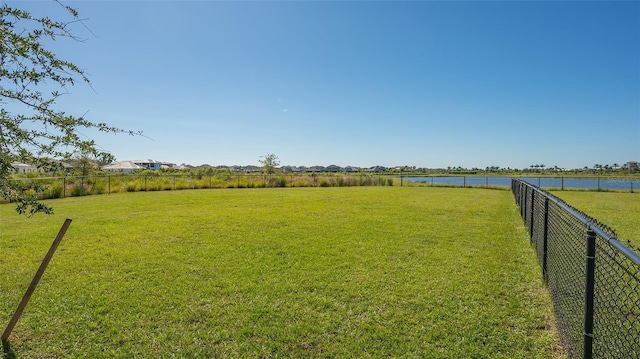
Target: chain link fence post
point(589, 293)
point(545, 237)
point(531, 214)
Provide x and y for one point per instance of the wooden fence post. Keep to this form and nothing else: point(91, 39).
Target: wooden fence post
point(35, 281)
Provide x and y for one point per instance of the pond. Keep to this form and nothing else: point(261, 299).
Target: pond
point(599, 183)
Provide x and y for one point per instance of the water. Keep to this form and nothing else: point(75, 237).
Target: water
point(545, 182)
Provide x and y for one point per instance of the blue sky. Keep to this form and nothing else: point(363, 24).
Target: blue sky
point(418, 83)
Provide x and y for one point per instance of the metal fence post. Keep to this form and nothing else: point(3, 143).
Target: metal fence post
point(524, 204)
point(545, 237)
point(589, 293)
point(533, 193)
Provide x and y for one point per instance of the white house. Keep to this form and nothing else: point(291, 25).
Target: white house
point(123, 166)
point(169, 165)
point(149, 164)
point(23, 167)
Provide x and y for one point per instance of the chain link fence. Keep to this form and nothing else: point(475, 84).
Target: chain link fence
point(71, 186)
point(594, 279)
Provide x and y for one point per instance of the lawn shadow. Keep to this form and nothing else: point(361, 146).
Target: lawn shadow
point(7, 352)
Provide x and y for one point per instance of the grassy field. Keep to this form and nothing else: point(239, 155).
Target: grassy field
point(295, 272)
point(620, 211)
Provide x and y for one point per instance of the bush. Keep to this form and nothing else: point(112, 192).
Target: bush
point(130, 187)
point(281, 182)
point(55, 191)
point(78, 190)
point(99, 188)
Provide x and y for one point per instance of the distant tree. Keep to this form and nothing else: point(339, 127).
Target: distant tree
point(32, 129)
point(269, 164)
point(83, 165)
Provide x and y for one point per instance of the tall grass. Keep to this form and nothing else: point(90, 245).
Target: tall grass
point(296, 272)
point(71, 186)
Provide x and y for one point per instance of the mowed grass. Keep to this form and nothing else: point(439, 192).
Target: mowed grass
point(618, 210)
point(294, 272)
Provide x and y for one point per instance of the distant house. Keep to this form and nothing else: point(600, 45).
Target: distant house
point(123, 166)
point(315, 169)
point(632, 166)
point(377, 169)
point(169, 165)
point(333, 168)
point(149, 164)
point(251, 168)
point(68, 167)
point(23, 167)
point(351, 169)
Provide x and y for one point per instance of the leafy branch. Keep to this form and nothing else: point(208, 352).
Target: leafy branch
point(32, 78)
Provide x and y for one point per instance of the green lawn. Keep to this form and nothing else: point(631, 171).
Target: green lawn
point(620, 211)
point(290, 272)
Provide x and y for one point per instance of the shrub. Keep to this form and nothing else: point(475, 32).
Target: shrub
point(55, 191)
point(365, 181)
point(99, 188)
point(78, 190)
point(301, 183)
point(130, 187)
point(281, 182)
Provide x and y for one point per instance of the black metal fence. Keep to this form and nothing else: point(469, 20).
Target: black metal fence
point(594, 279)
